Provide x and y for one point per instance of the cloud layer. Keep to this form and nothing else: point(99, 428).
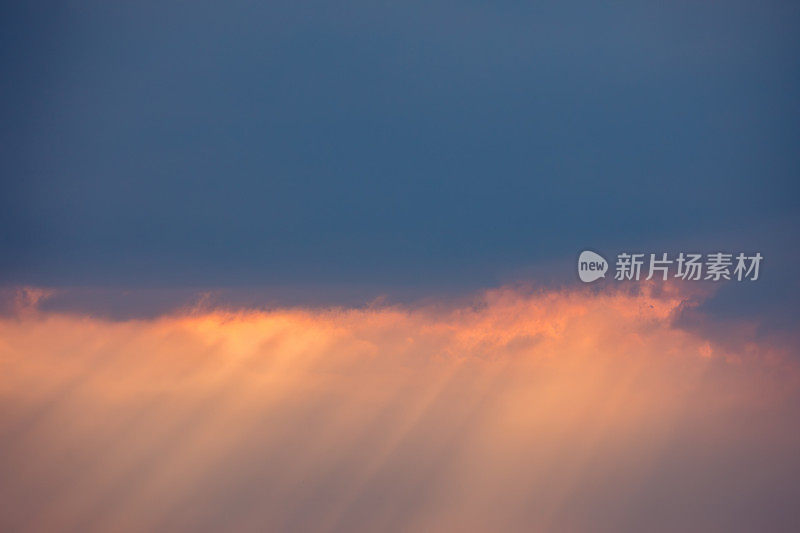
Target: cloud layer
point(522, 410)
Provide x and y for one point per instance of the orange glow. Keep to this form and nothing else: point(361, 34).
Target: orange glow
point(525, 410)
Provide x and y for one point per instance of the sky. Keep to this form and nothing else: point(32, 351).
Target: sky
point(521, 411)
point(292, 143)
point(280, 182)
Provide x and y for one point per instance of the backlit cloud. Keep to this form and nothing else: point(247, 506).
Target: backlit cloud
point(552, 410)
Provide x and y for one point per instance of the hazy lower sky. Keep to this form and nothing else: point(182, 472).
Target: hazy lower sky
point(543, 411)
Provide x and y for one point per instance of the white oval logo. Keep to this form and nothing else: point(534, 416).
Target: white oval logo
point(591, 266)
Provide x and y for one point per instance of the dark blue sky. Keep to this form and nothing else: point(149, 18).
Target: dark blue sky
point(408, 144)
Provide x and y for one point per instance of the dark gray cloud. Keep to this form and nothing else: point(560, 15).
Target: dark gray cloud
point(188, 144)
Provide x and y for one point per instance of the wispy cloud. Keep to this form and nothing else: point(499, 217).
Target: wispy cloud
point(552, 410)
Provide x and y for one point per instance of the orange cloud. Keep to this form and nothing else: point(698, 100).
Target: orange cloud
point(524, 410)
